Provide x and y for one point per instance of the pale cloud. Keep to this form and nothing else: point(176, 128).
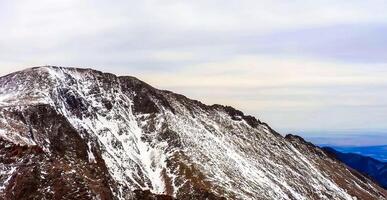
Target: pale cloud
point(296, 64)
point(253, 71)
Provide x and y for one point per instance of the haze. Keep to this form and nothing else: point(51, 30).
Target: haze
point(301, 66)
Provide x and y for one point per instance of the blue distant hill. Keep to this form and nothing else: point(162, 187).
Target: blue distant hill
point(377, 152)
point(367, 144)
point(375, 169)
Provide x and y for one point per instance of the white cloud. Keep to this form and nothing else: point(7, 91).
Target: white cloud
point(285, 61)
point(263, 71)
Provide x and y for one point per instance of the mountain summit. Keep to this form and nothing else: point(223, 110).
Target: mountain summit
point(68, 133)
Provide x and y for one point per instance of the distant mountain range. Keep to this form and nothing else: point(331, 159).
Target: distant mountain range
point(371, 167)
point(377, 152)
point(367, 141)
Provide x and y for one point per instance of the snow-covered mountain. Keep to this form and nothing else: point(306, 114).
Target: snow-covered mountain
point(68, 133)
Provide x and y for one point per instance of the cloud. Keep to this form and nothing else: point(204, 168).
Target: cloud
point(268, 71)
point(314, 65)
point(343, 42)
point(70, 32)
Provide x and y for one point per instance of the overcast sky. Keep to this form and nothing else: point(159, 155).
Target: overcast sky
point(299, 65)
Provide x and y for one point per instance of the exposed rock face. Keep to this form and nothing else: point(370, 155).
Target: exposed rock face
point(70, 133)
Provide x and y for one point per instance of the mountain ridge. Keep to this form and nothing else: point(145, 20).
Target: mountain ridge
point(369, 166)
point(125, 136)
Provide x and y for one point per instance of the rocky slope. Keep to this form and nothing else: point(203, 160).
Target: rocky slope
point(69, 133)
point(373, 168)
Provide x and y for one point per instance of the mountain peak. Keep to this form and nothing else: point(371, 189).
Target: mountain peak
point(103, 136)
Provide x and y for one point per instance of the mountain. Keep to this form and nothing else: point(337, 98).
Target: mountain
point(68, 133)
point(373, 168)
point(377, 152)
